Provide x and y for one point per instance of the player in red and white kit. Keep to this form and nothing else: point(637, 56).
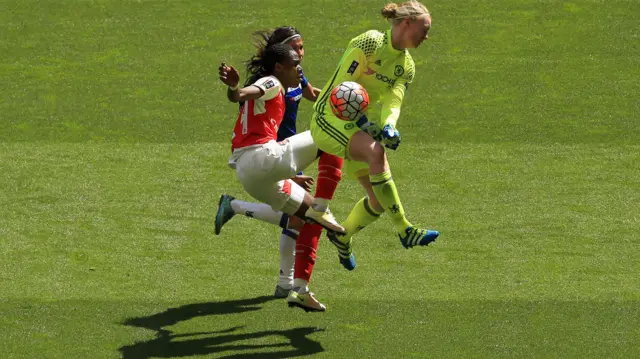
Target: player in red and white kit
point(292, 240)
point(266, 168)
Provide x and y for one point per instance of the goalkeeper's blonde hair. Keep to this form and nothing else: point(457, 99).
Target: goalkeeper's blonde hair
point(407, 10)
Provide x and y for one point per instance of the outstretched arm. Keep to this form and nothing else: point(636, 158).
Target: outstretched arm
point(311, 93)
point(308, 91)
point(246, 93)
point(230, 77)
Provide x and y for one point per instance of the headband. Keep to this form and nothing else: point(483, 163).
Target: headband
point(296, 36)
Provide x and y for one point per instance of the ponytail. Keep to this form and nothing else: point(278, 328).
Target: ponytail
point(407, 10)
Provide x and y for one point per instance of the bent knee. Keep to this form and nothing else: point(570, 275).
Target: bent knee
point(377, 154)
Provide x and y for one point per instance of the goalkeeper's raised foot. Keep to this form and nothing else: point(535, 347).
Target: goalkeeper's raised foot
point(325, 219)
point(417, 237)
point(225, 212)
point(345, 251)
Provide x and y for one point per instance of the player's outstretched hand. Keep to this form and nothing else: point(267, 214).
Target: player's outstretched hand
point(390, 137)
point(229, 75)
point(305, 182)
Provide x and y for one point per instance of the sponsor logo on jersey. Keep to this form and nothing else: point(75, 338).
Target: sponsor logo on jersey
point(399, 70)
point(294, 94)
point(295, 98)
point(269, 84)
point(353, 67)
point(383, 78)
point(348, 126)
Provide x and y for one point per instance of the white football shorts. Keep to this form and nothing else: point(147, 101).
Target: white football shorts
point(264, 170)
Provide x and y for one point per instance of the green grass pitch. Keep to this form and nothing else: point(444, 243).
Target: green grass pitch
point(521, 144)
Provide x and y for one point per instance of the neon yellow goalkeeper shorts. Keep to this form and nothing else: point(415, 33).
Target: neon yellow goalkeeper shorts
point(332, 135)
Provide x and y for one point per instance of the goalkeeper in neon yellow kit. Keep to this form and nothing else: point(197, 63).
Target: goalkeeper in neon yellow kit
point(381, 63)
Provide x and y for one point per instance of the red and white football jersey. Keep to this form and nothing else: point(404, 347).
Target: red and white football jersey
point(259, 119)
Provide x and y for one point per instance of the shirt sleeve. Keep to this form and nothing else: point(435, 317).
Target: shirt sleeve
point(392, 104)
point(270, 86)
point(355, 59)
point(352, 64)
point(393, 100)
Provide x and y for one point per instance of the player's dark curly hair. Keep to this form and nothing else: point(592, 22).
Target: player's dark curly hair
point(264, 39)
point(266, 63)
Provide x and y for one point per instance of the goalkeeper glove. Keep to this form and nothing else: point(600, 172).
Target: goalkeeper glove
point(371, 128)
point(390, 137)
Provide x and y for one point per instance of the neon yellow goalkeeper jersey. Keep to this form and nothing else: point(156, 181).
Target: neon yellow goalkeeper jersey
point(385, 73)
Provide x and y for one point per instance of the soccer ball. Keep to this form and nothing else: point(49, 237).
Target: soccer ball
point(349, 101)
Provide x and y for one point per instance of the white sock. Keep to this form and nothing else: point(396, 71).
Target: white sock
point(260, 211)
point(287, 257)
point(300, 285)
point(320, 204)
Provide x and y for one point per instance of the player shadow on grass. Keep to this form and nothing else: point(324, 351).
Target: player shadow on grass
point(169, 345)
